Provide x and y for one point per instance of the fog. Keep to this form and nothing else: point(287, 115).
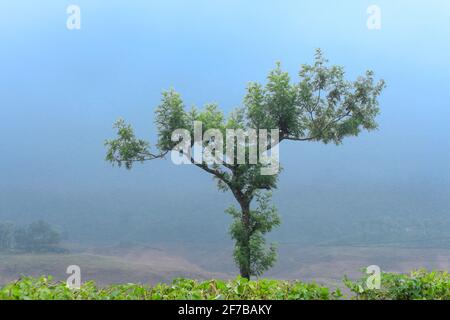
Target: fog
point(61, 91)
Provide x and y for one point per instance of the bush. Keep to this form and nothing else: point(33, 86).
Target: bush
point(39, 236)
point(6, 236)
point(418, 285)
point(45, 289)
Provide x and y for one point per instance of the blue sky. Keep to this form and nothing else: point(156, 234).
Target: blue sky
point(61, 90)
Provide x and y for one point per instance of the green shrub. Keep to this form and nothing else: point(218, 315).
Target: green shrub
point(415, 286)
point(240, 288)
point(38, 236)
point(418, 285)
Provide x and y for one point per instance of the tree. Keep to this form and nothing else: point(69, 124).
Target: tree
point(6, 236)
point(323, 106)
point(38, 236)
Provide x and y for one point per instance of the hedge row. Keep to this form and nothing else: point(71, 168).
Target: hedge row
point(417, 285)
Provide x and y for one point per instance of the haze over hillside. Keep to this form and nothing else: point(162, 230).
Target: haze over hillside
point(61, 91)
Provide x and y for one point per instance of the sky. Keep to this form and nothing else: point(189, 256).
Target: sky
point(61, 90)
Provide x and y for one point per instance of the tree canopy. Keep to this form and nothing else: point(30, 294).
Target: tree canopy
point(322, 106)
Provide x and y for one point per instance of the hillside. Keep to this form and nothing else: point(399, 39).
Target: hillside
point(144, 264)
point(105, 267)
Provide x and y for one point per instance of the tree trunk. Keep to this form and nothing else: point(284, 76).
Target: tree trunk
point(245, 268)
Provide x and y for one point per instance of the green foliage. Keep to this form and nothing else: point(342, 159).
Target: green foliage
point(323, 106)
point(126, 149)
point(39, 236)
point(170, 115)
point(181, 289)
point(6, 236)
point(418, 285)
point(253, 253)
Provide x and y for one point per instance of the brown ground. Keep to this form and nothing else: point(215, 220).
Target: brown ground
point(146, 264)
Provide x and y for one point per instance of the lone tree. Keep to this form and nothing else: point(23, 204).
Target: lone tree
point(323, 106)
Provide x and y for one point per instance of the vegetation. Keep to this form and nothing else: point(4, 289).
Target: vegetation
point(417, 285)
point(180, 289)
point(323, 106)
point(39, 236)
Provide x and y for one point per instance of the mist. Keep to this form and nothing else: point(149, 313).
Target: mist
point(61, 91)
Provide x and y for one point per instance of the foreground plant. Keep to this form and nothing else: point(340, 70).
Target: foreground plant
point(418, 285)
point(323, 106)
point(181, 289)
